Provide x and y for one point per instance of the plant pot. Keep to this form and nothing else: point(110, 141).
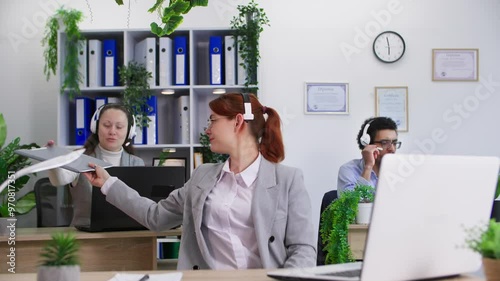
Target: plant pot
point(58, 273)
point(7, 226)
point(364, 213)
point(491, 269)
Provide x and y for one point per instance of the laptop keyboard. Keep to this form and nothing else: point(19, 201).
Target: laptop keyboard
point(347, 273)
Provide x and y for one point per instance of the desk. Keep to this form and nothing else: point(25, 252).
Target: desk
point(357, 239)
point(99, 251)
point(194, 275)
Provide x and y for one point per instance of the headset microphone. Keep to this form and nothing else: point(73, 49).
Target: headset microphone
point(248, 115)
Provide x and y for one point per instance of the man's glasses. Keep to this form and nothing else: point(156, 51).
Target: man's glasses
point(386, 144)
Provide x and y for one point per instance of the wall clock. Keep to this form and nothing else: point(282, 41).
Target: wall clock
point(389, 46)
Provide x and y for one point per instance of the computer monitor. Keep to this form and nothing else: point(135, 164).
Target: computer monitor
point(155, 183)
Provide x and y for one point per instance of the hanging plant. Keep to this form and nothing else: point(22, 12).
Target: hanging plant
point(248, 25)
point(208, 155)
point(136, 94)
point(74, 42)
point(171, 15)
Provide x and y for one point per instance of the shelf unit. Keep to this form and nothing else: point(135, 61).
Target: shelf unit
point(199, 91)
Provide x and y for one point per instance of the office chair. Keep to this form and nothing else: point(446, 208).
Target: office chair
point(53, 204)
point(328, 198)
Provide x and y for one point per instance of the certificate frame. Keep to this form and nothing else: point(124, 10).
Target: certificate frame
point(326, 98)
point(455, 64)
point(392, 102)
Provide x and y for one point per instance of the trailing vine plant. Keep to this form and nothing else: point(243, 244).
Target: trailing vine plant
point(171, 15)
point(248, 25)
point(74, 41)
point(136, 94)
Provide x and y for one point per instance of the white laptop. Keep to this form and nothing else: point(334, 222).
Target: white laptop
point(422, 205)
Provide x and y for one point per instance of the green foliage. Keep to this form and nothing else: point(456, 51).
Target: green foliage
point(135, 96)
point(485, 240)
point(163, 156)
point(61, 250)
point(334, 227)
point(208, 155)
point(9, 164)
point(74, 40)
point(248, 24)
point(171, 15)
point(366, 193)
point(497, 193)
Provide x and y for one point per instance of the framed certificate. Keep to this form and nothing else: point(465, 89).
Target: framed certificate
point(326, 98)
point(392, 102)
point(455, 64)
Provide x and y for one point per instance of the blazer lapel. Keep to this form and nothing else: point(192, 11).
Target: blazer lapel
point(264, 205)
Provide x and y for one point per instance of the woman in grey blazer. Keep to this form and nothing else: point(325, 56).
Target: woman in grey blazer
point(113, 128)
point(249, 212)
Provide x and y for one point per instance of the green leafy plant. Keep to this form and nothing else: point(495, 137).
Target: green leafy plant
point(208, 155)
point(366, 193)
point(485, 240)
point(171, 15)
point(61, 250)
point(334, 227)
point(136, 94)
point(74, 42)
point(497, 192)
point(248, 25)
point(9, 164)
point(335, 221)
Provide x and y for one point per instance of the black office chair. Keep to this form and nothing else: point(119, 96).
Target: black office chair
point(328, 198)
point(53, 204)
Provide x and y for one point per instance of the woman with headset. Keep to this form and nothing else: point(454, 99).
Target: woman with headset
point(249, 212)
point(113, 128)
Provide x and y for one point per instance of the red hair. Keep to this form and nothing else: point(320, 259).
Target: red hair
point(268, 132)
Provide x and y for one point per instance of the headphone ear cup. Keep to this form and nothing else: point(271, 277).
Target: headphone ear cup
point(365, 138)
point(132, 132)
point(93, 121)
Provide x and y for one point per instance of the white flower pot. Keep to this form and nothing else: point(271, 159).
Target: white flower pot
point(364, 213)
point(58, 273)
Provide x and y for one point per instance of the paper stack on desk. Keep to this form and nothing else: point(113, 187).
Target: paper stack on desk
point(175, 276)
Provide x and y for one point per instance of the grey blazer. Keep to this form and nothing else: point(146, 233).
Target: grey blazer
point(81, 192)
point(281, 212)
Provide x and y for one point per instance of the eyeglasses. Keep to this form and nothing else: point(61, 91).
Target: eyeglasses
point(386, 144)
point(211, 122)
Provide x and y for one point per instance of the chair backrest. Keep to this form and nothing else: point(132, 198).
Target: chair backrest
point(328, 198)
point(53, 204)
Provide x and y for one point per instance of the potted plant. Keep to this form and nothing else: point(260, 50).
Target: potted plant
point(171, 15)
point(9, 164)
point(74, 42)
point(365, 205)
point(485, 240)
point(60, 259)
point(248, 25)
point(337, 217)
point(135, 78)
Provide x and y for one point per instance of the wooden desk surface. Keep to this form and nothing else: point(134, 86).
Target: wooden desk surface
point(44, 233)
point(194, 275)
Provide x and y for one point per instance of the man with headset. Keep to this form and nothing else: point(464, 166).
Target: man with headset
point(377, 137)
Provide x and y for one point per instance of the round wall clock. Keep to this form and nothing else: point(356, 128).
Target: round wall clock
point(389, 46)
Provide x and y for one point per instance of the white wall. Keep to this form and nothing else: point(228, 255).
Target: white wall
point(303, 45)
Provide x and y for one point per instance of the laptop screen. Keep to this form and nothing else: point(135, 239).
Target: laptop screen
point(155, 183)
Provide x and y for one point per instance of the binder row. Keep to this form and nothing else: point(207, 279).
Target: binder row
point(98, 63)
point(85, 108)
point(225, 62)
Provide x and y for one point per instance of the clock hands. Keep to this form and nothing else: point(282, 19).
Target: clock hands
point(388, 46)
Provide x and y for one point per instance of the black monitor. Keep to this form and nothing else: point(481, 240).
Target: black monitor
point(155, 183)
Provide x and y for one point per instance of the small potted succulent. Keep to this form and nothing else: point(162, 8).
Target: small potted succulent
point(60, 259)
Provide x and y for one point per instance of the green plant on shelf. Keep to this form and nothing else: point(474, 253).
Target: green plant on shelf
point(71, 77)
point(137, 91)
point(208, 155)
